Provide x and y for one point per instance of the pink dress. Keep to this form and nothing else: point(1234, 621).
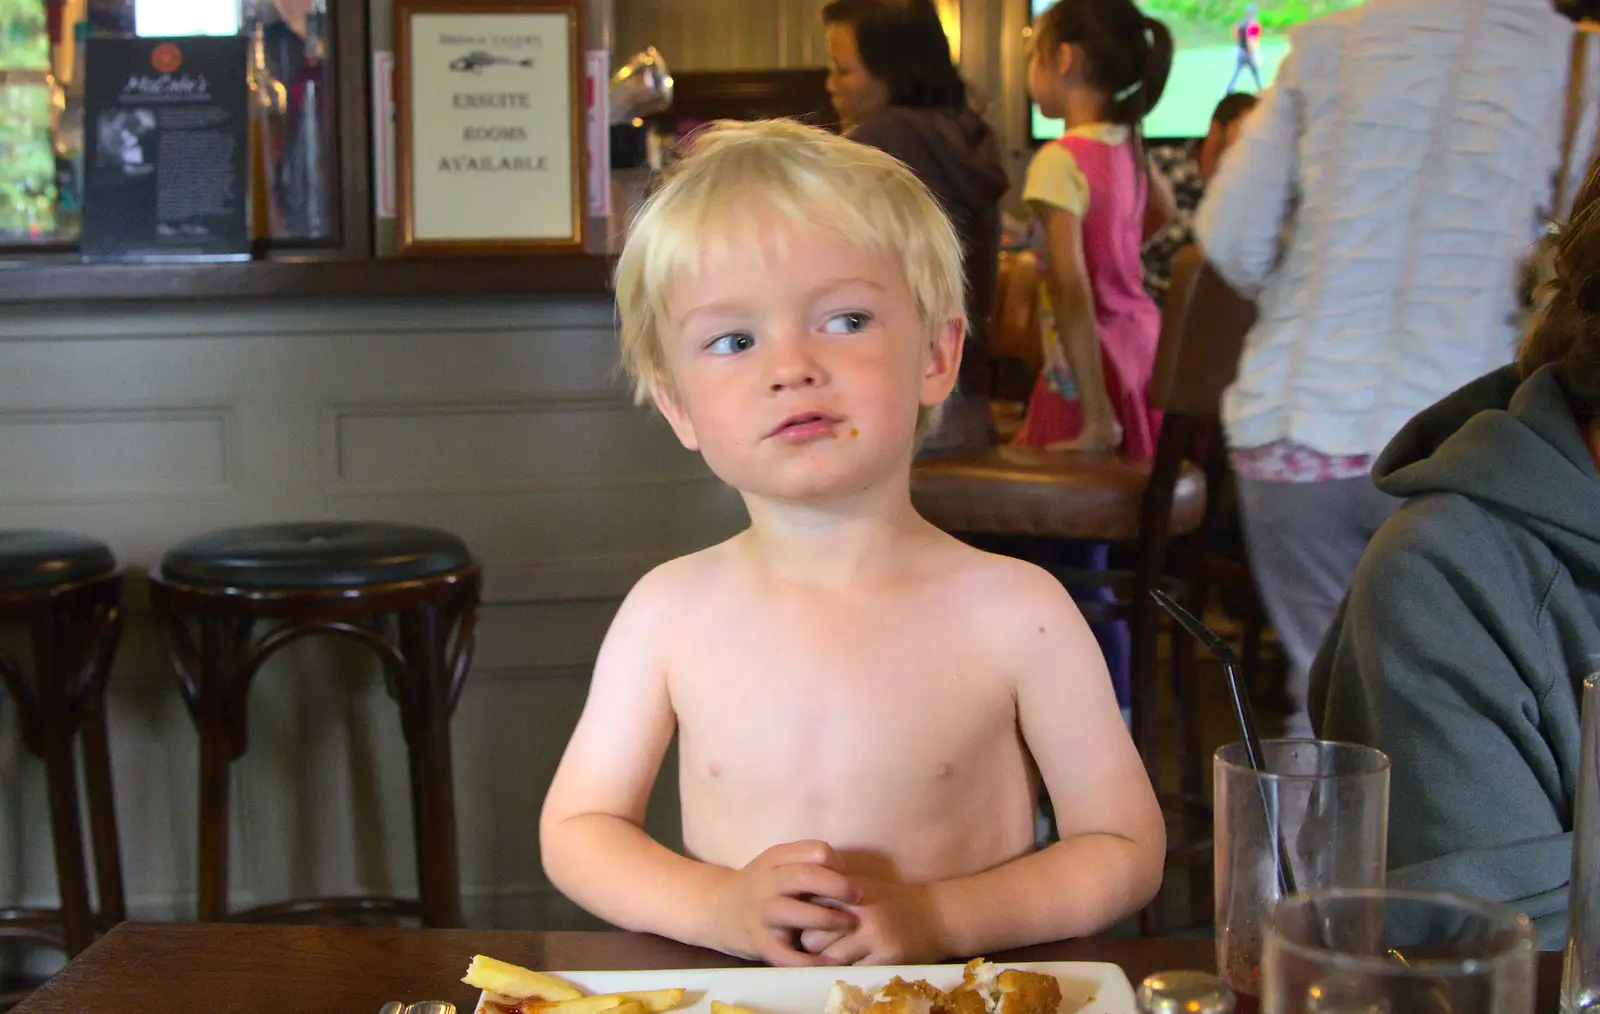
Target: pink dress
point(1111, 189)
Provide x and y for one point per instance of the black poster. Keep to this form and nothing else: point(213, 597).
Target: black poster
point(166, 149)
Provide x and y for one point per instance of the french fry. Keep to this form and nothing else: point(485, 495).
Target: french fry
point(506, 979)
point(654, 1001)
point(718, 1007)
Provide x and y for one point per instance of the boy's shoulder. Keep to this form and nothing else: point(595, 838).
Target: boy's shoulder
point(1002, 585)
point(668, 582)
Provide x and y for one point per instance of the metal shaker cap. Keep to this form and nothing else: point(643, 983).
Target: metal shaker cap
point(1184, 991)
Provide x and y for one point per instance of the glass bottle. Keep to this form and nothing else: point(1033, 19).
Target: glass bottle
point(24, 35)
point(28, 95)
point(312, 191)
point(268, 115)
point(69, 144)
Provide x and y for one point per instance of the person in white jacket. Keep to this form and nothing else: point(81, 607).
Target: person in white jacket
point(1377, 206)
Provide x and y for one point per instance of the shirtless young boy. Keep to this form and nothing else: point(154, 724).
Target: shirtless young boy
point(863, 704)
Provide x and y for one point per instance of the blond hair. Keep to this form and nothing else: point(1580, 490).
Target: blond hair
point(737, 174)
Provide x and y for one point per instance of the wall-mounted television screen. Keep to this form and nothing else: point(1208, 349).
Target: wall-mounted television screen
point(1210, 37)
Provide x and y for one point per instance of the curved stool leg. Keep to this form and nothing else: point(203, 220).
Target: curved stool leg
point(425, 714)
point(103, 818)
point(217, 711)
point(53, 667)
point(102, 633)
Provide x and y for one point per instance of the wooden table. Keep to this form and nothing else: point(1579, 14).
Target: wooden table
point(237, 969)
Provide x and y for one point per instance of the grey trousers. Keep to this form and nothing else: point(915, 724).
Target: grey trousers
point(1305, 540)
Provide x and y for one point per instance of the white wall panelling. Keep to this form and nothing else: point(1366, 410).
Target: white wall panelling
point(96, 455)
point(502, 420)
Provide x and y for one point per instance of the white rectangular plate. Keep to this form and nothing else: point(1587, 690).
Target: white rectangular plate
point(1086, 987)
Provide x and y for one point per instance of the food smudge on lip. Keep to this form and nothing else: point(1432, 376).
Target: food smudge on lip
point(854, 432)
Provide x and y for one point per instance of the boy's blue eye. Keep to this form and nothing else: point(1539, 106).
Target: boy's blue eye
point(730, 344)
point(847, 323)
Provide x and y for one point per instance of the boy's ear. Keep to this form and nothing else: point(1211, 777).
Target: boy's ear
point(677, 418)
point(942, 364)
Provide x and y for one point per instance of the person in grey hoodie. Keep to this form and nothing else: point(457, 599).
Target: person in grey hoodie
point(1475, 613)
point(894, 86)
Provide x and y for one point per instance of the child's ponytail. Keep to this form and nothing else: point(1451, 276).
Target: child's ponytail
point(1134, 101)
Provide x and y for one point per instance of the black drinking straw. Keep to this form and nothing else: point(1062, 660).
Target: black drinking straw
point(1223, 651)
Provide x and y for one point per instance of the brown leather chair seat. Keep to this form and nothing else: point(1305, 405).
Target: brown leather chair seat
point(1049, 494)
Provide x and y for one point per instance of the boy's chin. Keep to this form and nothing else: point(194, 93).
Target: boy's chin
point(818, 484)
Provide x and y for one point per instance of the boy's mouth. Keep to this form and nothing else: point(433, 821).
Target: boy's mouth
point(806, 425)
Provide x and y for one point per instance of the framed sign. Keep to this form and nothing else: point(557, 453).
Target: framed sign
point(489, 126)
point(166, 149)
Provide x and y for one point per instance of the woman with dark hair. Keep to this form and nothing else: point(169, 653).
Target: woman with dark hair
point(894, 86)
point(1475, 613)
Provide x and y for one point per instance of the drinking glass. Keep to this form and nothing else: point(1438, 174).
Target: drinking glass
point(1370, 950)
point(1316, 816)
point(1580, 977)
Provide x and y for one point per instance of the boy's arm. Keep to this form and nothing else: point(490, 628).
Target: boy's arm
point(592, 841)
point(1109, 860)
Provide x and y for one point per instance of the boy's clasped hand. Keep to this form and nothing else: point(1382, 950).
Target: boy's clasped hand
point(795, 904)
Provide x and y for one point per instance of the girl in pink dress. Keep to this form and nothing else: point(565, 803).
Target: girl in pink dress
point(1101, 66)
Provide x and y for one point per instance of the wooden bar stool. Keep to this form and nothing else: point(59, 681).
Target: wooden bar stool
point(410, 594)
point(64, 590)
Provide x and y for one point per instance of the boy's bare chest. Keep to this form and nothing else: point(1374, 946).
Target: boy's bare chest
point(832, 682)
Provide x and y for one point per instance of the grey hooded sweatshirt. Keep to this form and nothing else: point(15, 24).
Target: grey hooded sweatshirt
point(1459, 651)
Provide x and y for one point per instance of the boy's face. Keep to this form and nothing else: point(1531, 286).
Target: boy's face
point(797, 370)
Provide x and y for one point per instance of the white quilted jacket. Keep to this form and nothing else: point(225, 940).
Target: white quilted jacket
point(1377, 206)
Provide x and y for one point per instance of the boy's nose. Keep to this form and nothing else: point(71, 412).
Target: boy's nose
point(794, 367)
point(795, 376)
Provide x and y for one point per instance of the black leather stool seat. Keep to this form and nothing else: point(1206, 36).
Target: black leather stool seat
point(32, 558)
point(314, 554)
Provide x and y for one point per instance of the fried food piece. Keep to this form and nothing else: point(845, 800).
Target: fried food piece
point(718, 1007)
point(654, 1001)
point(904, 1002)
point(516, 982)
point(844, 998)
point(1028, 992)
point(985, 989)
point(898, 987)
point(961, 1001)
